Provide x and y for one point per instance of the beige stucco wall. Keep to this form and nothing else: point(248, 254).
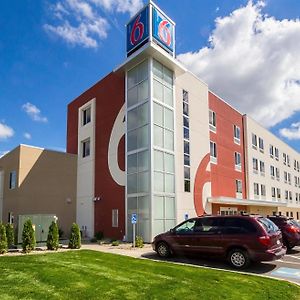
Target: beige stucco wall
point(256, 177)
point(46, 184)
point(262, 210)
point(199, 140)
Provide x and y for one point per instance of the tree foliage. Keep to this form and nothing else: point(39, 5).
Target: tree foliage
point(75, 237)
point(53, 237)
point(3, 239)
point(28, 237)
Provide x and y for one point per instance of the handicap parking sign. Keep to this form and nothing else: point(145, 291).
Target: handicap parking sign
point(133, 218)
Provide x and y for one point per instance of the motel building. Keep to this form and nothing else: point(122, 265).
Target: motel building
point(152, 139)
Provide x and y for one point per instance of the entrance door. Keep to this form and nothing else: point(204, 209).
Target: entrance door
point(228, 211)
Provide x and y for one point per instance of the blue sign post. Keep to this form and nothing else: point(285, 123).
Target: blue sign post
point(133, 222)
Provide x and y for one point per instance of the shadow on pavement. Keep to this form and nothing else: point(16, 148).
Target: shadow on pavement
point(293, 251)
point(255, 268)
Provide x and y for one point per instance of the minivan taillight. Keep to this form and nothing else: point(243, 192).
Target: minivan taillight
point(292, 229)
point(265, 240)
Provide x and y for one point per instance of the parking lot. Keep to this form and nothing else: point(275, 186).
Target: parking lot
point(286, 268)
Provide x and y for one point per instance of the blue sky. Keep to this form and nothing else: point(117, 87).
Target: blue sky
point(43, 66)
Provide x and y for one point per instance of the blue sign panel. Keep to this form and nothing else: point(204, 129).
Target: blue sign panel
point(138, 30)
point(163, 30)
point(133, 218)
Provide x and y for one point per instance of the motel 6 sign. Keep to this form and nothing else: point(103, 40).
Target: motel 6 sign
point(140, 31)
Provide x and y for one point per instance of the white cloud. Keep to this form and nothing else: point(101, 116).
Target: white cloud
point(122, 6)
point(5, 131)
point(292, 133)
point(34, 113)
point(80, 21)
point(253, 62)
point(27, 135)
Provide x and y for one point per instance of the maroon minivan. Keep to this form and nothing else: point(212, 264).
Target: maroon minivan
point(239, 239)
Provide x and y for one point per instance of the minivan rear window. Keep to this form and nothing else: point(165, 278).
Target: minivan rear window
point(269, 226)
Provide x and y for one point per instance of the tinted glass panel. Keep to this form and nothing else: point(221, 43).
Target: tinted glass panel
point(237, 226)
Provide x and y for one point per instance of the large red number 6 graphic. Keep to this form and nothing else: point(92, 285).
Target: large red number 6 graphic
point(164, 32)
point(137, 26)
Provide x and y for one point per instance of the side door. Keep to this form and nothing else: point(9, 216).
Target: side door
point(182, 236)
point(207, 237)
point(238, 232)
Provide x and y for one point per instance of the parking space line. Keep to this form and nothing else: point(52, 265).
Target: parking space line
point(288, 262)
point(292, 256)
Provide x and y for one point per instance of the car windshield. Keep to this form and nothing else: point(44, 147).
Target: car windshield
point(268, 225)
point(294, 222)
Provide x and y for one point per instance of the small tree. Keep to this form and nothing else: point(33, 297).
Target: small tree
point(28, 237)
point(75, 238)
point(53, 237)
point(10, 235)
point(3, 240)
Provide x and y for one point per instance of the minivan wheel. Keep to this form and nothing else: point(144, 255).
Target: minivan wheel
point(238, 258)
point(163, 250)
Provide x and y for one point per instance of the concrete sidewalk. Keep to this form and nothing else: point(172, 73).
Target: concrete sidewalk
point(123, 249)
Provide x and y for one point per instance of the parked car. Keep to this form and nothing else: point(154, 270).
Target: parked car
point(290, 230)
point(239, 239)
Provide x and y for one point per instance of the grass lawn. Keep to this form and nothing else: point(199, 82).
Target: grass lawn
point(88, 274)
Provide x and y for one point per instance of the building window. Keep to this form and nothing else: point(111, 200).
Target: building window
point(277, 174)
point(212, 121)
point(284, 158)
point(278, 194)
point(272, 172)
point(186, 137)
point(255, 165)
point(86, 116)
point(273, 191)
point(290, 196)
point(86, 148)
point(289, 178)
point(286, 193)
point(263, 190)
point(12, 180)
point(237, 161)
point(256, 189)
point(238, 186)
point(115, 217)
point(262, 167)
point(261, 144)
point(237, 134)
point(285, 177)
point(288, 160)
point(254, 141)
point(271, 151)
point(276, 153)
point(213, 152)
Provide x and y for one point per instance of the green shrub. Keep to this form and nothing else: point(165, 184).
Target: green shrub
point(53, 237)
point(28, 237)
point(139, 242)
point(60, 233)
point(115, 243)
point(75, 237)
point(3, 239)
point(10, 235)
point(99, 235)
